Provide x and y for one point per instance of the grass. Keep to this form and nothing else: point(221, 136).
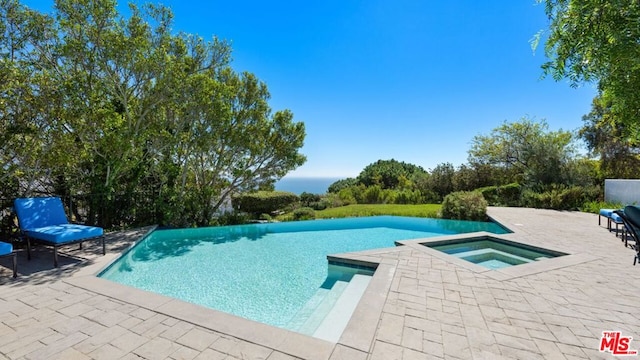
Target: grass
point(426, 210)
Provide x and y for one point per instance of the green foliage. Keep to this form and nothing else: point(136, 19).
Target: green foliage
point(339, 185)
point(504, 195)
point(441, 180)
point(389, 174)
point(527, 151)
point(560, 197)
point(313, 201)
point(233, 218)
point(464, 205)
point(262, 202)
point(595, 206)
point(115, 106)
point(611, 140)
point(265, 217)
point(597, 41)
point(304, 213)
point(373, 195)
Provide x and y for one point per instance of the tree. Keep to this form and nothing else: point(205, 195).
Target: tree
point(441, 179)
point(388, 173)
point(526, 150)
point(341, 184)
point(598, 41)
point(608, 138)
point(116, 107)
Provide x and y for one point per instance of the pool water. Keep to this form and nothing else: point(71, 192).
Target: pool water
point(493, 253)
point(266, 272)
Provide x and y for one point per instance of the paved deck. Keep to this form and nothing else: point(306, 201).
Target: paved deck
point(418, 306)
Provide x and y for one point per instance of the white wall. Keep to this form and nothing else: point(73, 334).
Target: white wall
point(624, 191)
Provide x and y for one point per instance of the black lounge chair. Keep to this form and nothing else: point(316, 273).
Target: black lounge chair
point(631, 218)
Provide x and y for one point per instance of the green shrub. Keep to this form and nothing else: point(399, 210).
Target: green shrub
point(373, 195)
point(503, 195)
point(304, 213)
point(346, 197)
point(464, 205)
point(595, 206)
point(233, 218)
point(264, 202)
point(560, 197)
point(308, 198)
point(266, 217)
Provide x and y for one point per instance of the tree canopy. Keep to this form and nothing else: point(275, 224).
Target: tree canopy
point(388, 174)
point(526, 150)
point(92, 102)
point(599, 41)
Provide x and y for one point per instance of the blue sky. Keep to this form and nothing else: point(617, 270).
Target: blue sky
point(412, 80)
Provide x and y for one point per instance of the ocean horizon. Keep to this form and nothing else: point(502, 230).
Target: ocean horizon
point(313, 185)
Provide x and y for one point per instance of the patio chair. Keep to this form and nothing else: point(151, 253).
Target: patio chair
point(43, 220)
point(631, 218)
point(612, 218)
point(6, 251)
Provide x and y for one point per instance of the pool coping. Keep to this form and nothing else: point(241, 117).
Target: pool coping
point(359, 333)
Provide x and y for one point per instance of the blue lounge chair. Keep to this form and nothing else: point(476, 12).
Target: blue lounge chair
point(44, 221)
point(612, 217)
point(6, 250)
point(631, 218)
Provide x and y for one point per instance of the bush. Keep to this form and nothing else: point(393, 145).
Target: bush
point(595, 206)
point(504, 195)
point(464, 205)
point(264, 202)
point(560, 197)
point(373, 195)
point(233, 218)
point(265, 217)
point(304, 213)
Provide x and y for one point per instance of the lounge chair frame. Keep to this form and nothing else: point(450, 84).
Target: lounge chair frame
point(14, 256)
point(57, 245)
point(631, 229)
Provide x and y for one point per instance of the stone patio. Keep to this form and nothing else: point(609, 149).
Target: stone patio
point(419, 305)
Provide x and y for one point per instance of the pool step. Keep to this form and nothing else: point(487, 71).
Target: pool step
point(336, 320)
point(315, 318)
point(320, 302)
point(303, 314)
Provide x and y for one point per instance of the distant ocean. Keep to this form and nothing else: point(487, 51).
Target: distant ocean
point(310, 185)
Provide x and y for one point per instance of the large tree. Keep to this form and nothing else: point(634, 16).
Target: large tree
point(389, 174)
point(609, 139)
point(526, 150)
point(598, 41)
point(115, 106)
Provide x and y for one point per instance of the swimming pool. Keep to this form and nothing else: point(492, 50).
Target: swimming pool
point(267, 272)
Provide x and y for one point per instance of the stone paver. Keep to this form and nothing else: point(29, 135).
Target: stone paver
point(434, 308)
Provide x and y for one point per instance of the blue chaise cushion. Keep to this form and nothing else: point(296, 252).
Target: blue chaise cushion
point(40, 212)
point(64, 233)
point(44, 219)
point(606, 212)
point(5, 248)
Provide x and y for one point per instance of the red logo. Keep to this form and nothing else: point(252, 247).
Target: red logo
point(616, 344)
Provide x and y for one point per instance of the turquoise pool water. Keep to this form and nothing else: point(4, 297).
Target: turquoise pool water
point(265, 272)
